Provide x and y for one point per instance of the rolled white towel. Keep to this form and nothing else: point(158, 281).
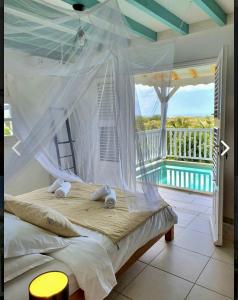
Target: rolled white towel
point(101, 193)
point(110, 200)
point(55, 185)
point(63, 191)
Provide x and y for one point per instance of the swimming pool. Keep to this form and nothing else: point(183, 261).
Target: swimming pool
point(182, 175)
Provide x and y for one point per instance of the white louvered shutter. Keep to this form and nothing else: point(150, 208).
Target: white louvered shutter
point(109, 147)
point(218, 160)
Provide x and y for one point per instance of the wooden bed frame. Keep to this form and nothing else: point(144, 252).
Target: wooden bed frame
point(169, 236)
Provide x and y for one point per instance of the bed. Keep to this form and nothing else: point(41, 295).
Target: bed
point(121, 255)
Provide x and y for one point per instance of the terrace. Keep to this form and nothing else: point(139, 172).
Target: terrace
point(187, 146)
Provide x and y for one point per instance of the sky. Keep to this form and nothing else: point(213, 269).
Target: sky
point(189, 100)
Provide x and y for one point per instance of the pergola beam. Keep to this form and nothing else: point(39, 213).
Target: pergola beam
point(135, 26)
point(161, 14)
point(213, 10)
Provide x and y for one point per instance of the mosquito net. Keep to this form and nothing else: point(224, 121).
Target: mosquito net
point(69, 78)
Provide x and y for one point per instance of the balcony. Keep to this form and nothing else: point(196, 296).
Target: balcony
point(188, 159)
point(187, 144)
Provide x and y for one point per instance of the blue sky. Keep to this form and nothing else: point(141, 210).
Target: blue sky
point(189, 100)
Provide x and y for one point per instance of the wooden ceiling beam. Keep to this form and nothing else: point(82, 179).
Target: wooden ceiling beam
point(135, 26)
point(162, 14)
point(213, 10)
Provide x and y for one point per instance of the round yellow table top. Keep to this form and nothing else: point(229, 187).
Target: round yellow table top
point(48, 284)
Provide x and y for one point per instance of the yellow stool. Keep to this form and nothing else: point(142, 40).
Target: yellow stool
point(50, 285)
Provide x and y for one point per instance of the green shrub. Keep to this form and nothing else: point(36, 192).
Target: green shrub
point(148, 123)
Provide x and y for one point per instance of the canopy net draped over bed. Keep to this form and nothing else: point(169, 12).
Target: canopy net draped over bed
point(69, 78)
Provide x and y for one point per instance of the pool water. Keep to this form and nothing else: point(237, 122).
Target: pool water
point(181, 175)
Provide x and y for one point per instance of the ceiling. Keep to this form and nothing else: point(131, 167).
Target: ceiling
point(187, 11)
point(183, 9)
point(146, 18)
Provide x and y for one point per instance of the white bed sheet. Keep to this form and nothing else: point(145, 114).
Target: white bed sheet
point(122, 251)
point(118, 254)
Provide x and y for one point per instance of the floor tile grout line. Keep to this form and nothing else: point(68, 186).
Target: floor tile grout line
point(203, 208)
point(210, 257)
point(184, 249)
point(190, 222)
point(148, 265)
point(189, 203)
point(198, 278)
point(153, 258)
point(197, 229)
point(193, 251)
point(203, 286)
point(219, 293)
point(222, 261)
point(206, 287)
point(191, 215)
point(134, 277)
point(186, 228)
point(145, 263)
point(171, 274)
point(189, 291)
point(186, 211)
point(209, 234)
point(187, 224)
point(120, 294)
point(178, 247)
point(193, 283)
point(189, 211)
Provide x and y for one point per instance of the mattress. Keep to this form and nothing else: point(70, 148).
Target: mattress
point(158, 223)
point(78, 208)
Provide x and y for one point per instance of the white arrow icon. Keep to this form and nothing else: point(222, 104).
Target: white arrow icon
point(227, 148)
point(15, 150)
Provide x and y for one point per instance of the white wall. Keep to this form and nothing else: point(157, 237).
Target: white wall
point(32, 177)
point(203, 45)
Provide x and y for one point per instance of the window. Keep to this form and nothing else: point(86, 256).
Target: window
point(8, 131)
point(109, 145)
point(106, 101)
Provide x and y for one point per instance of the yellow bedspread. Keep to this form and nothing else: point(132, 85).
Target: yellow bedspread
point(115, 223)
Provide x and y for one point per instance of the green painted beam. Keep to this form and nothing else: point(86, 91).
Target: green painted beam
point(136, 27)
point(161, 14)
point(141, 30)
point(213, 10)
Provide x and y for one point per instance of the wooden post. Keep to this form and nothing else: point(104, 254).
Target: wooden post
point(169, 236)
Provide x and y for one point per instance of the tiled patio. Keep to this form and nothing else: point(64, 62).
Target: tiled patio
point(190, 267)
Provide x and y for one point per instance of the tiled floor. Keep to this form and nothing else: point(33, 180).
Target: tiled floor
point(190, 267)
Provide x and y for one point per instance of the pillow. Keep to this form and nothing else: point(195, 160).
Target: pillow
point(16, 266)
point(22, 238)
point(44, 217)
point(7, 199)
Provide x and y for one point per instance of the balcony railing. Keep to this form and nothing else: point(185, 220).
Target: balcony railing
point(182, 143)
